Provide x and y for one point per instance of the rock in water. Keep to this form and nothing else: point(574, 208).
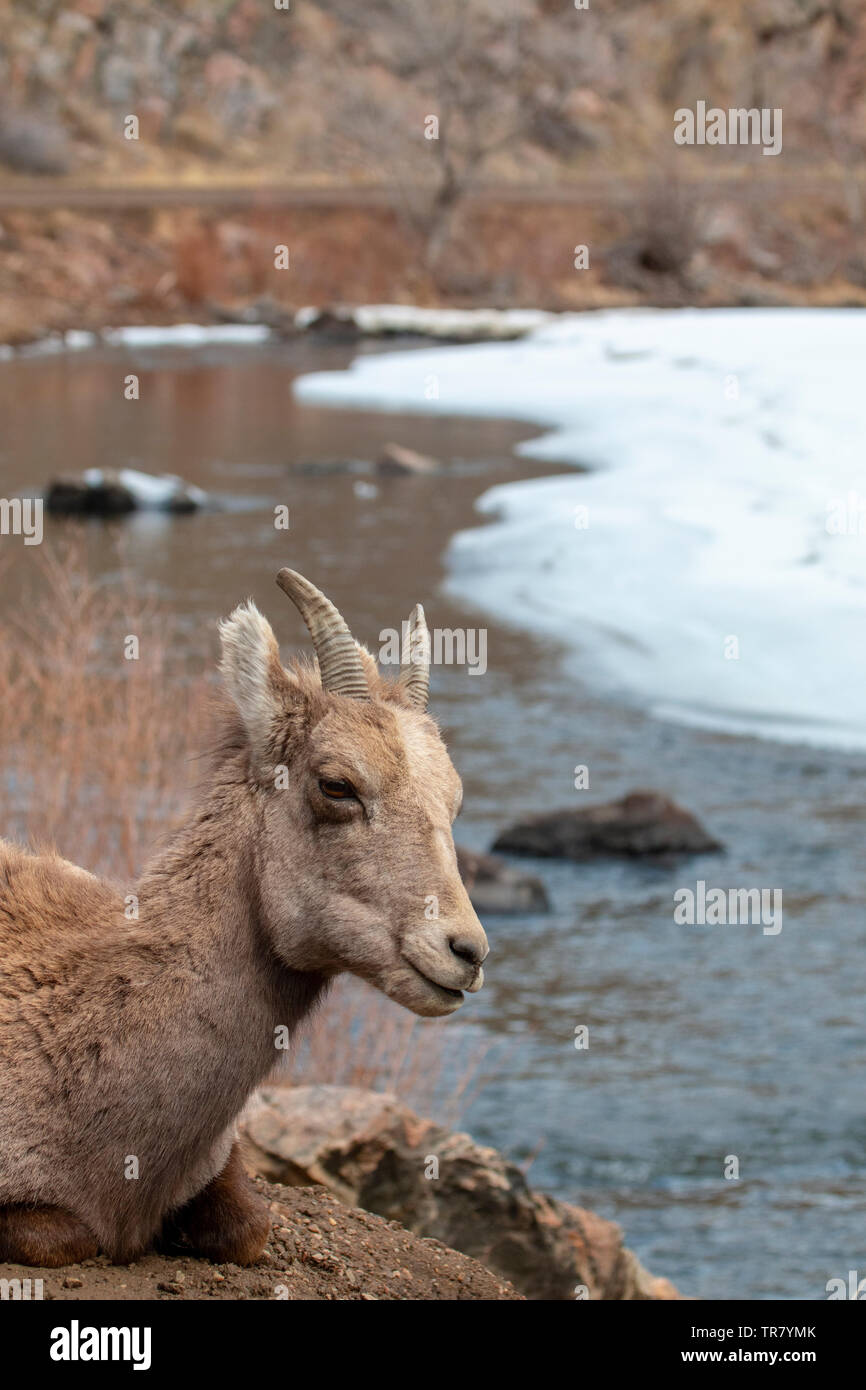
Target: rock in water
point(395, 460)
point(109, 492)
point(644, 823)
point(72, 496)
point(494, 886)
point(336, 323)
point(371, 1151)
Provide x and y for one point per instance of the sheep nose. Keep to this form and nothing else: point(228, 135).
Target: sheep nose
point(469, 950)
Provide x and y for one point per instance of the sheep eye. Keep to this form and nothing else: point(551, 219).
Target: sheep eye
point(337, 790)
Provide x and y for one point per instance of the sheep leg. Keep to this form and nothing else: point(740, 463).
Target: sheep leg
point(46, 1236)
point(226, 1222)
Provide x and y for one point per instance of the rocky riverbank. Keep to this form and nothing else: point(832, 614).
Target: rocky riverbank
point(371, 1151)
point(64, 268)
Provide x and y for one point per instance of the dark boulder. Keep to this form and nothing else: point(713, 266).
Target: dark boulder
point(494, 886)
point(108, 492)
point(642, 824)
point(335, 323)
point(69, 496)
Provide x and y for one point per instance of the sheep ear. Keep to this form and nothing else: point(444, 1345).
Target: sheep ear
point(252, 672)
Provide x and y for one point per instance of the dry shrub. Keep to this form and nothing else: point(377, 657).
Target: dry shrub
point(361, 1039)
point(95, 747)
point(664, 220)
point(98, 754)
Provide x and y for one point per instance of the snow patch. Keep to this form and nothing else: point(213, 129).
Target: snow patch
point(721, 442)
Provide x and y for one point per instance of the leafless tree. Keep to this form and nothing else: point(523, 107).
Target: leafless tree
point(431, 93)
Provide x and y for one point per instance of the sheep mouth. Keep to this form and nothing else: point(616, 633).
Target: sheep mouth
point(434, 984)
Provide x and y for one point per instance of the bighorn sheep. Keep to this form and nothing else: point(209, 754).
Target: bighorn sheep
point(320, 843)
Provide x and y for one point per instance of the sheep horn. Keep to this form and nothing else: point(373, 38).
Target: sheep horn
point(340, 663)
point(415, 668)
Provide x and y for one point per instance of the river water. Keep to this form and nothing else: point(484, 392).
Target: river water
point(704, 1043)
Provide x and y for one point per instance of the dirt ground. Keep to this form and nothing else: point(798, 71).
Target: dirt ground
point(318, 1250)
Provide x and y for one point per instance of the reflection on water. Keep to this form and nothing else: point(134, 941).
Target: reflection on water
point(704, 1042)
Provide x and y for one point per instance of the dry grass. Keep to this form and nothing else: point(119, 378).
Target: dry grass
point(98, 754)
point(361, 1039)
point(95, 747)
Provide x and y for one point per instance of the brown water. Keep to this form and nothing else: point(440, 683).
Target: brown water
point(701, 1045)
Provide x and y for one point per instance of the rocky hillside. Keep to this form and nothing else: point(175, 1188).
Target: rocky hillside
point(329, 89)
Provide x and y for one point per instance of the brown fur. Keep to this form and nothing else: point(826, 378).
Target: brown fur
point(131, 1046)
point(226, 1222)
point(46, 1236)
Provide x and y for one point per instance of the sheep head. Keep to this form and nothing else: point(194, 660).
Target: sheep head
point(356, 795)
